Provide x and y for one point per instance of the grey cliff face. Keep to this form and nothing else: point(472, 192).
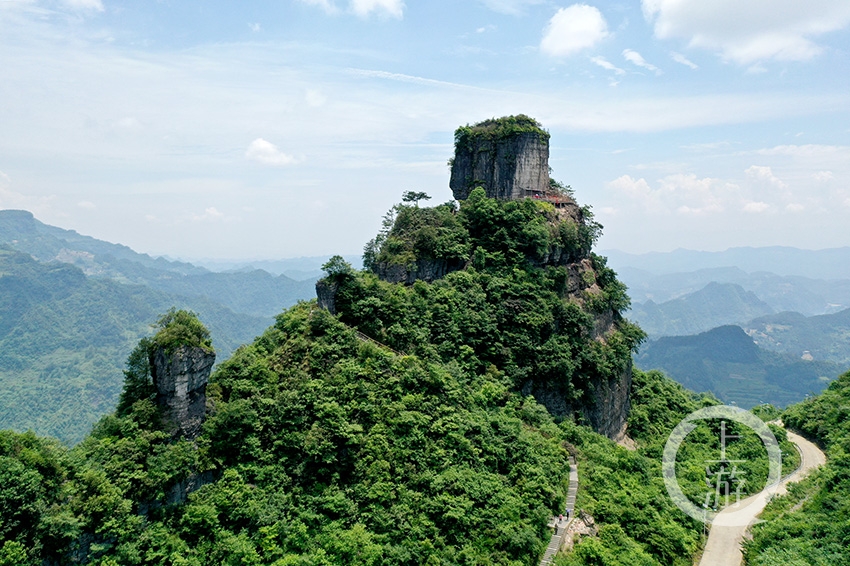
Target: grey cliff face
point(606, 407)
point(181, 385)
point(508, 168)
point(326, 295)
point(423, 269)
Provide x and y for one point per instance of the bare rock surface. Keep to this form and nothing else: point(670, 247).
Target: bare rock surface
point(508, 168)
point(181, 380)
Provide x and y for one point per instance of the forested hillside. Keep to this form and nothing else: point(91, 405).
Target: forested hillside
point(811, 525)
point(716, 304)
point(64, 338)
point(728, 363)
point(325, 447)
point(253, 292)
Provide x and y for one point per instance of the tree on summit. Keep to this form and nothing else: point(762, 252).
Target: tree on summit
point(414, 197)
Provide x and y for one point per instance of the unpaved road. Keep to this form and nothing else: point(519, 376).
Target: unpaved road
point(724, 541)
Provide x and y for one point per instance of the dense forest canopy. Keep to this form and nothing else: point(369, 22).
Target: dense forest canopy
point(393, 430)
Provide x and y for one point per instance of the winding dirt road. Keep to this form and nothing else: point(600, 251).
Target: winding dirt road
point(724, 541)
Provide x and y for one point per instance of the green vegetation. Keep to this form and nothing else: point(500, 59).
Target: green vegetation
point(810, 526)
point(501, 310)
point(494, 129)
point(726, 362)
point(825, 337)
point(181, 328)
point(323, 448)
point(176, 328)
point(623, 490)
point(64, 338)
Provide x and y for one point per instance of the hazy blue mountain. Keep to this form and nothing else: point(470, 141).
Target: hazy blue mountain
point(65, 337)
point(714, 305)
point(21, 231)
point(728, 363)
point(824, 337)
point(298, 268)
point(831, 263)
point(252, 292)
point(781, 292)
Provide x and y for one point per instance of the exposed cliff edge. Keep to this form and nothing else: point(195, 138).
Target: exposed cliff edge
point(180, 378)
point(509, 157)
point(519, 246)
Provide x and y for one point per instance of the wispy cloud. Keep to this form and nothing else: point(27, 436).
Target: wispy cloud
point(96, 5)
point(607, 65)
point(267, 153)
point(635, 58)
point(510, 7)
point(681, 59)
point(747, 32)
point(391, 8)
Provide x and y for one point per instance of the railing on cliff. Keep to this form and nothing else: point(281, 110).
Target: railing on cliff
point(558, 200)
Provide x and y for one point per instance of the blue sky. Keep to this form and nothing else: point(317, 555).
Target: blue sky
point(264, 129)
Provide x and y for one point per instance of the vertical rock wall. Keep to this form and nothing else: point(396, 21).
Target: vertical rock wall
point(181, 380)
point(508, 168)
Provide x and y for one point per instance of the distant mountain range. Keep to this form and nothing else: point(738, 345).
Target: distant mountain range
point(831, 263)
point(253, 292)
point(726, 362)
point(714, 305)
point(72, 307)
point(749, 324)
point(297, 268)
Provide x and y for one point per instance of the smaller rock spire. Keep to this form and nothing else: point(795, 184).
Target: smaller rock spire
point(180, 378)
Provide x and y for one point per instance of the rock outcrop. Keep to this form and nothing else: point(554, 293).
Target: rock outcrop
point(421, 270)
point(180, 378)
point(509, 167)
point(326, 294)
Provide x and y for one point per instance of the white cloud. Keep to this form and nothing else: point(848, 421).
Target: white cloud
point(635, 58)
point(605, 64)
point(256, 27)
point(328, 6)
point(823, 176)
point(765, 174)
point(679, 193)
point(85, 4)
point(573, 29)
point(86, 204)
point(808, 150)
point(756, 207)
point(392, 8)
point(795, 207)
point(267, 153)
point(746, 31)
point(510, 7)
point(211, 214)
point(681, 59)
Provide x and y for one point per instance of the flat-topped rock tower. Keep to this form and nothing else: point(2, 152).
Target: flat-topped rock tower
point(508, 157)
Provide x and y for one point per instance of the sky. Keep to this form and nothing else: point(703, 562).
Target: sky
point(271, 129)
